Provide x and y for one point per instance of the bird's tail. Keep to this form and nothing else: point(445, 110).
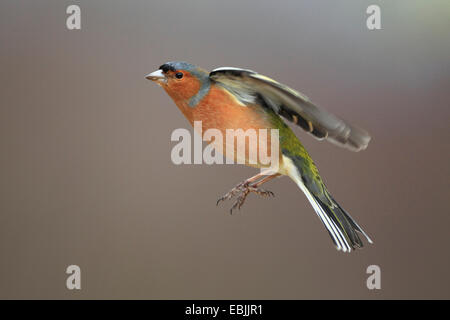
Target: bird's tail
point(339, 224)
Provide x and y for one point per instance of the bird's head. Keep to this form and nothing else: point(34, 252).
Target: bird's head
point(181, 80)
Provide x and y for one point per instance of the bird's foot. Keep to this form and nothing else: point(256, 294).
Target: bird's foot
point(242, 190)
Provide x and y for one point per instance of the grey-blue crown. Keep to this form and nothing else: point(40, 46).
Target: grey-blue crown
point(177, 65)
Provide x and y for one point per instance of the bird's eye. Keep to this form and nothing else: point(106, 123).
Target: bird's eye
point(179, 75)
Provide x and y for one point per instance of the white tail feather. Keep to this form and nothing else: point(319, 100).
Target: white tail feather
point(338, 237)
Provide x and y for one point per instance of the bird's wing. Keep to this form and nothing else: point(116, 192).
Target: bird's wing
point(248, 85)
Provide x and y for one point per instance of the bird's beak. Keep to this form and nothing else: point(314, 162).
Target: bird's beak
point(157, 76)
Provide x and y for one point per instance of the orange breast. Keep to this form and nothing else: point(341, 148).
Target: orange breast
point(220, 110)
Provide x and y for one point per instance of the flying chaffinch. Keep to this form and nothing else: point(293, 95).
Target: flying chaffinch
point(232, 98)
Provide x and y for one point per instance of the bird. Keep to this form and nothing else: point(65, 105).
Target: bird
point(235, 98)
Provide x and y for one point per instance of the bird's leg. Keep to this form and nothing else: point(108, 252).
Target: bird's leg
point(253, 188)
point(244, 188)
point(238, 188)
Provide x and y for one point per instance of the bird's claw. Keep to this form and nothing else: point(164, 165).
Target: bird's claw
point(233, 192)
point(243, 190)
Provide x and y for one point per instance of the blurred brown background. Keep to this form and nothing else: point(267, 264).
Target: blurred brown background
point(86, 175)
